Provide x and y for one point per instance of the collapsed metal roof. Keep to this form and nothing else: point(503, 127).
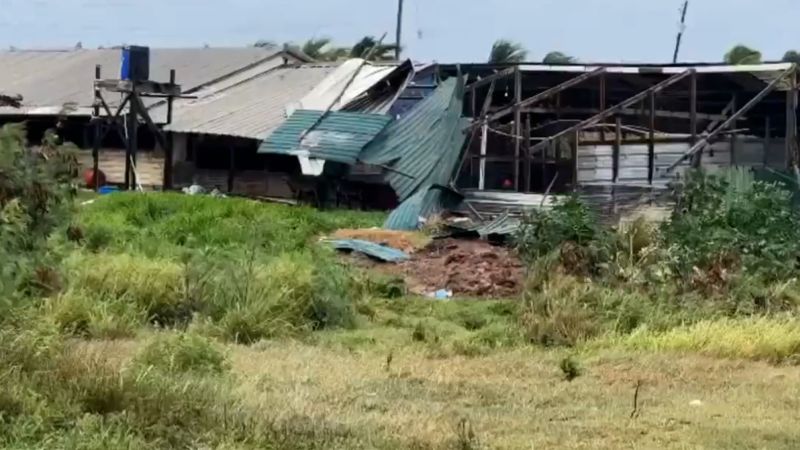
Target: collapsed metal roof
point(420, 152)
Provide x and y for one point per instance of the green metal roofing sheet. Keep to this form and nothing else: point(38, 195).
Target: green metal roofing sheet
point(424, 146)
point(421, 152)
point(339, 136)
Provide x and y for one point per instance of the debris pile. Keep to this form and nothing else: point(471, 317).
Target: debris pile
point(465, 267)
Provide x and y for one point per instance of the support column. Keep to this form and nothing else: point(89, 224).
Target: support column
point(168, 150)
point(602, 104)
point(575, 161)
point(231, 167)
point(528, 158)
point(693, 118)
point(517, 125)
point(732, 137)
point(767, 141)
point(651, 143)
point(482, 162)
point(97, 132)
point(617, 149)
point(132, 128)
point(791, 121)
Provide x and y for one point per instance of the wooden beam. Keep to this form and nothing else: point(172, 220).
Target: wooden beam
point(651, 141)
point(527, 153)
point(602, 102)
point(732, 137)
point(627, 112)
point(707, 140)
point(791, 120)
point(617, 149)
point(97, 133)
point(492, 78)
point(615, 109)
point(546, 94)
point(575, 160)
point(693, 108)
point(698, 157)
point(517, 124)
point(767, 139)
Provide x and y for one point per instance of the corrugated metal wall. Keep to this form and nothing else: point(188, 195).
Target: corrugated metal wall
point(595, 162)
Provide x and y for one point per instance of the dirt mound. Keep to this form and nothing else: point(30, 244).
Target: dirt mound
point(407, 241)
point(467, 267)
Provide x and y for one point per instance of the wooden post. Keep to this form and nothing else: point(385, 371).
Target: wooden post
point(693, 107)
point(528, 159)
point(791, 120)
point(575, 161)
point(617, 149)
point(130, 134)
point(517, 124)
point(473, 103)
point(168, 149)
point(767, 143)
point(602, 104)
point(651, 144)
point(482, 162)
point(231, 167)
point(97, 132)
point(732, 137)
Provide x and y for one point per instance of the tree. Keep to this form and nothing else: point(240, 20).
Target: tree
point(558, 58)
point(742, 54)
point(369, 48)
point(505, 51)
point(263, 43)
point(322, 50)
point(792, 56)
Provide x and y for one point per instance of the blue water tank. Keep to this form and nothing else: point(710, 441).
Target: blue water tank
point(135, 63)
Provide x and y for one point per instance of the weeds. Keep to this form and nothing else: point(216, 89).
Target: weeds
point(183, 352)
point(570, 368)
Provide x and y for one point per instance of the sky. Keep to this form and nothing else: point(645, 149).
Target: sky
point(434, 30)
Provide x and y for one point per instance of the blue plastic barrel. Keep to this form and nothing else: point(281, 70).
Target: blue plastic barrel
point(135, 64)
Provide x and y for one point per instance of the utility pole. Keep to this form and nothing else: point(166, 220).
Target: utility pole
point(680, 31)
point(399, 29)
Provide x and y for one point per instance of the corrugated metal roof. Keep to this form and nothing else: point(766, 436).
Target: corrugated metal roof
point(371, 249)
point(251, 109)
point(328, 93)
point(339, 136)
point(423, 147)
point(50, 79)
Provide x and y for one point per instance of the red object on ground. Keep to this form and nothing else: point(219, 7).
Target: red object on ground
point(88, 178)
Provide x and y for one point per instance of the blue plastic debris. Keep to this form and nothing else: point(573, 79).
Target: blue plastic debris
point(107, 190)
point(371, 249)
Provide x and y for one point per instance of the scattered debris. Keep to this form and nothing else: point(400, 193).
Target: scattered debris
point(371, 249)
point(441, 294)
point(466, 267)
point(194, 189)
point(407, 241)
point(696, 403)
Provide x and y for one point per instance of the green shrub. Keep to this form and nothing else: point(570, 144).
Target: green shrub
point(726, 221)
point(569, 221)
point(182, 352)
point(570, 368)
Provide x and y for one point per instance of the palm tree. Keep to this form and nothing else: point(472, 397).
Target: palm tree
point(792, 56)
point(505, 51)
point(369, 48)
point(558, 58)
point(314, 48)
point(264, 43)
point(742, 54)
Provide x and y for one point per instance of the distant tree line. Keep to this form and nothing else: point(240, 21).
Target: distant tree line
point(503, 51)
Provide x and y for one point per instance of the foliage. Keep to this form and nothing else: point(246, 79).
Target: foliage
point(741, 54)
point(182, 352)
point(321, 49)
point(570, 368)
point(35, 200)
point(792, 56)
point(569, 227)
point(727, 221)
point(505, 51)
point(370, 49)
point(558, 58)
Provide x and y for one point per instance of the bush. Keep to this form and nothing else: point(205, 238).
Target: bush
point(729, 221)
point(570, 228)
point(182, 352)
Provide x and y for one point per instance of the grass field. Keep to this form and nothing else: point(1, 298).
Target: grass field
point(193, 322)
